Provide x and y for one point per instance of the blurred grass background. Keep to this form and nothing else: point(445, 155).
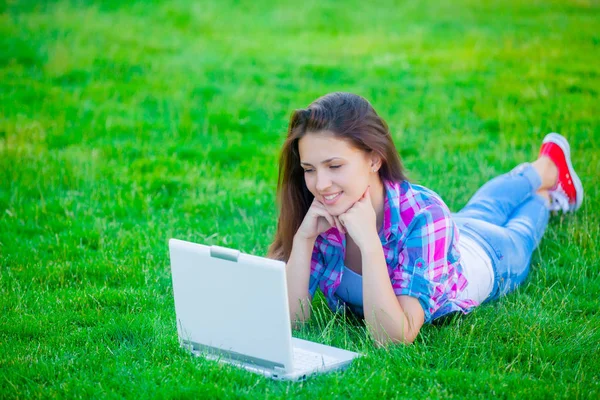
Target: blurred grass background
point(123, 124)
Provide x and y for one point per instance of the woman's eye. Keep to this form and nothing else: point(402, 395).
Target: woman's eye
point(306, 171)
point(334, 166)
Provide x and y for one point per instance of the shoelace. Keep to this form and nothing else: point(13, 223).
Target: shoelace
point(559, 201)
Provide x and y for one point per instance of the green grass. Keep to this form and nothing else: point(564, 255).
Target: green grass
point(123, 124)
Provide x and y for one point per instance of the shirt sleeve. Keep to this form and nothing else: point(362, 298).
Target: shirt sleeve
point(316, 270)
point(424, 265)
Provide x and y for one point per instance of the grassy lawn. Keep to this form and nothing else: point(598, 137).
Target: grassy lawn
point(123, 124)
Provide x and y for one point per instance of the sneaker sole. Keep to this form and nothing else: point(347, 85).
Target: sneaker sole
point(564, 145)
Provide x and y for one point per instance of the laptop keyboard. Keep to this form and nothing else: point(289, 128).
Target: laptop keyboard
point(304, 359)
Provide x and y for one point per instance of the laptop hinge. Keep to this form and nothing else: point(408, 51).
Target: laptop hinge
point(224, 253)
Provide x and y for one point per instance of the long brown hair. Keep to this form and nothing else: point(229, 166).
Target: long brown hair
point(347, 116)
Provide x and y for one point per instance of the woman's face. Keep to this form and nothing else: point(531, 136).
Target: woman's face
point(335, 172)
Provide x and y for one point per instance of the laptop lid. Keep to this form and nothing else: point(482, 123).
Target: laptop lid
point(231, 304)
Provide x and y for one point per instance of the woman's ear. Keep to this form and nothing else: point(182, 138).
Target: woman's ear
point(375, 162)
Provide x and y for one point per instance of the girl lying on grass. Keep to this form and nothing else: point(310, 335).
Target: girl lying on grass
point(352, 225)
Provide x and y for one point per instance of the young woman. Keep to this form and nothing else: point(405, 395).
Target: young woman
point(352, 225)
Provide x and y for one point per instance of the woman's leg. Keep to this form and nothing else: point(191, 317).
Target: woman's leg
point(511, 246)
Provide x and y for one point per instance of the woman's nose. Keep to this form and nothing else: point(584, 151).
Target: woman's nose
point(323, 181)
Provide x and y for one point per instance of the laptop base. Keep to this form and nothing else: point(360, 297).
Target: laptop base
point(343, 358)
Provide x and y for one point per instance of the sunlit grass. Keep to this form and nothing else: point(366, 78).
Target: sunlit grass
point(123, 124)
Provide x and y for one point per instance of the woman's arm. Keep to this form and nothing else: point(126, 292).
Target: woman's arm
point(298, 268)
point(389, 318)
point(298, 275)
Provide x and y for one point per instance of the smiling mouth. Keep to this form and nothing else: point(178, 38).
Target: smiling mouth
point(330, 199)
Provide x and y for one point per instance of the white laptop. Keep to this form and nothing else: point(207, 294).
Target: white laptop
point(233, 307)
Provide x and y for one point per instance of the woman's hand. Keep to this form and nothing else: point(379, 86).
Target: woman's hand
point(360, 221)
point(316, 221)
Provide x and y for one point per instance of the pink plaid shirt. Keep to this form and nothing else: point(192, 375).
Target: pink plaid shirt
point(419, 242)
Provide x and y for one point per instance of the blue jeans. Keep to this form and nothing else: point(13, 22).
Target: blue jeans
point(508, 219)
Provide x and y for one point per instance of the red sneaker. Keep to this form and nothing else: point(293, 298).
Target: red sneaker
point(567, 194)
